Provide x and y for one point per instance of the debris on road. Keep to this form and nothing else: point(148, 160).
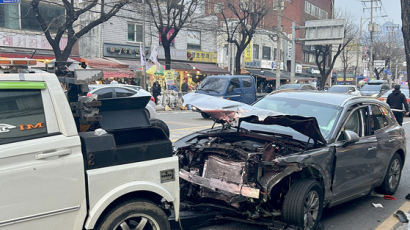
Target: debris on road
point(386, 197)
point(377, 205)
point(401, 216)
point(408, 197)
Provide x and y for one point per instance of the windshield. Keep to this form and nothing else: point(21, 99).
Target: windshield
point(371, 88)
point(217, 85)
point(338, 89)
point(290, 86)
point(325, 114)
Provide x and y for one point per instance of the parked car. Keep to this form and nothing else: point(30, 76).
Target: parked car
point(240, 88)
point(347, 89)
point(374, 90)
point(290, 155)
point(121, 90)
point(298, 86)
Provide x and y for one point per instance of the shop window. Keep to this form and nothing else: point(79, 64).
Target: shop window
point(255, 52)
point(134, 32)
point(22, 115)
point(9, 16)
point(275, 52)
point(307, 7)
point(266, 53)
point(52, 14)
point(194, 40)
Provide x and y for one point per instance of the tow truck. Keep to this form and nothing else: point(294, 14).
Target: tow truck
point(91, 165)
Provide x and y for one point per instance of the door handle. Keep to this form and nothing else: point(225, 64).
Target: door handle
point(372, 148)
point(56, 153)
point(392, 140)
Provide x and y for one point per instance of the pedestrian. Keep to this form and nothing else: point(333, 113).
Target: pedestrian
point(184, 87)
point(156, 91)
point(396, 100)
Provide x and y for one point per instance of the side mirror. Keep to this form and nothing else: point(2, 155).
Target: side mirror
point(351, 137)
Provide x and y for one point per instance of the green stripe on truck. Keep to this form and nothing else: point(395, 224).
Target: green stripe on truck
point(22, 85)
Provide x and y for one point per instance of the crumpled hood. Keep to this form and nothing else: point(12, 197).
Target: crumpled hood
point(226, 111)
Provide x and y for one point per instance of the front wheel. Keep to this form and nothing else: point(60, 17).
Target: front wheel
point(392, 178)
point(303, 204)
point(140, 214)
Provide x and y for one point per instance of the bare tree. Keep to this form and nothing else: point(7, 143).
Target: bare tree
point(241, 18)
point(347, 56)
point(65, 24)
point(405, 17)
point(169, 17)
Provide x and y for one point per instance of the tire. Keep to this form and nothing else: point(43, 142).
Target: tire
point(392, 178)
point(132, 213)
point(205, 115)
point(299, 194)
point(160, 124)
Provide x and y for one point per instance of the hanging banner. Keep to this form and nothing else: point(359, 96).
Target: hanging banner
point(248, 53)
point(169, 76)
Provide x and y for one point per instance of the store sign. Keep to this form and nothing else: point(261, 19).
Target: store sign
point(124, 51)
point(9, 1)
point(176, 54)
point(30, 41)
point(266, 64)
point(193, 37)
point(202, 56)
point(248, 52)
point(169, 76)
point(298, 68)
point(253, 64)
point(379, 64)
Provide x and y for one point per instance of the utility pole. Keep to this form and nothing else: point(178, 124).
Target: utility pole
point(358, 45)
point(144, 77)
point(371, 39)
point(293, 61)
point(279, 43)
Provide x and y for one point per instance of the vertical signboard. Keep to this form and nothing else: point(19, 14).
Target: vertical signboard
point(248, 53)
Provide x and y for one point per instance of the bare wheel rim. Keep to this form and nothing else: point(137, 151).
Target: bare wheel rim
point(311, 209)
point(138, 221)
point(394, 173)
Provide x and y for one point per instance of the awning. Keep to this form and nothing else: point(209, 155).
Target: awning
point(111, 69)
point(208, 68)
point(179, 66)
point(268, 74)
point(132, 64)
point(16, 55)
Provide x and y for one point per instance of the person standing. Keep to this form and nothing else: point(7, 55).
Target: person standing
point(156, 91)
point(396, 100)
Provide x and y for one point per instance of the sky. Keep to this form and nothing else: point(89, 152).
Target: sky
point(354, 9)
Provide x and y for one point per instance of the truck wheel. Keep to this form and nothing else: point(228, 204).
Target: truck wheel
point(303, 204)
point(205, 115)
point(160, 124)
point(140, 214)
point(392, 177)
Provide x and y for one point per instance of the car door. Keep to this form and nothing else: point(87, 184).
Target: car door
point(352, 168)
point(234, 91)
point(248, 88)
point(42, 183)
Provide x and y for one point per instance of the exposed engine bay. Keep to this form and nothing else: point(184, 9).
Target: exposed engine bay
point(238, 169)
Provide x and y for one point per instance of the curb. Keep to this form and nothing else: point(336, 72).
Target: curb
point(392, 222)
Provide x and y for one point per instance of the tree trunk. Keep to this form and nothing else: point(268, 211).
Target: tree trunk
point(238, 61)
point(61, 59)
point(405, 16)
point(167, 51)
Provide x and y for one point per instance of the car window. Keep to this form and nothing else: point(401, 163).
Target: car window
point(21, 115)
point(247, 82)
point(234, 84)
point(104, 93)
point(120, 92)
point(354, 123)
point(377, 119)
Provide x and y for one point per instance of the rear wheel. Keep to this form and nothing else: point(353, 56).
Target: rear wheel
point(392, 177)
point(160, 124)
point(303, 204)
point(137, 214)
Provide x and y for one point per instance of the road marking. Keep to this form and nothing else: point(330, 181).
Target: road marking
point(391, 221)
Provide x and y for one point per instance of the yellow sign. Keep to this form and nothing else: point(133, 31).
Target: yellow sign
point(248, 53)
point(202, 56)
point(169, 76)
point(347, 79)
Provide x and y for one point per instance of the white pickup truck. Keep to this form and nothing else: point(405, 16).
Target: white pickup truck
point(53, 177)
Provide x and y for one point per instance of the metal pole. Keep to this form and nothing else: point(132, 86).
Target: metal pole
point(371, 40)
point(144, 77)
point(279, 43)
point(293, 64)
point(358, 49)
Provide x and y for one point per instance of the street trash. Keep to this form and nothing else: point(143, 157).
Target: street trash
point(401, 216)
point(408, 197)
point(100, 132)
point(386, 197)
point(377, 205)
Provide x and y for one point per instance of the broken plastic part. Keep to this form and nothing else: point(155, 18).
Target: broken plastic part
point(377, 205)
point(401, 216)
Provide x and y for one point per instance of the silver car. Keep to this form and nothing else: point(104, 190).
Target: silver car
point(347, 89)
point(123, 90)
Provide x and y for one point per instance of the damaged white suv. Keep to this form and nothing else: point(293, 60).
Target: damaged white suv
point(284, 159)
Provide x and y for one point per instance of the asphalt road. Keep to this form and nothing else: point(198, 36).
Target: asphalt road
point(356, 214)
